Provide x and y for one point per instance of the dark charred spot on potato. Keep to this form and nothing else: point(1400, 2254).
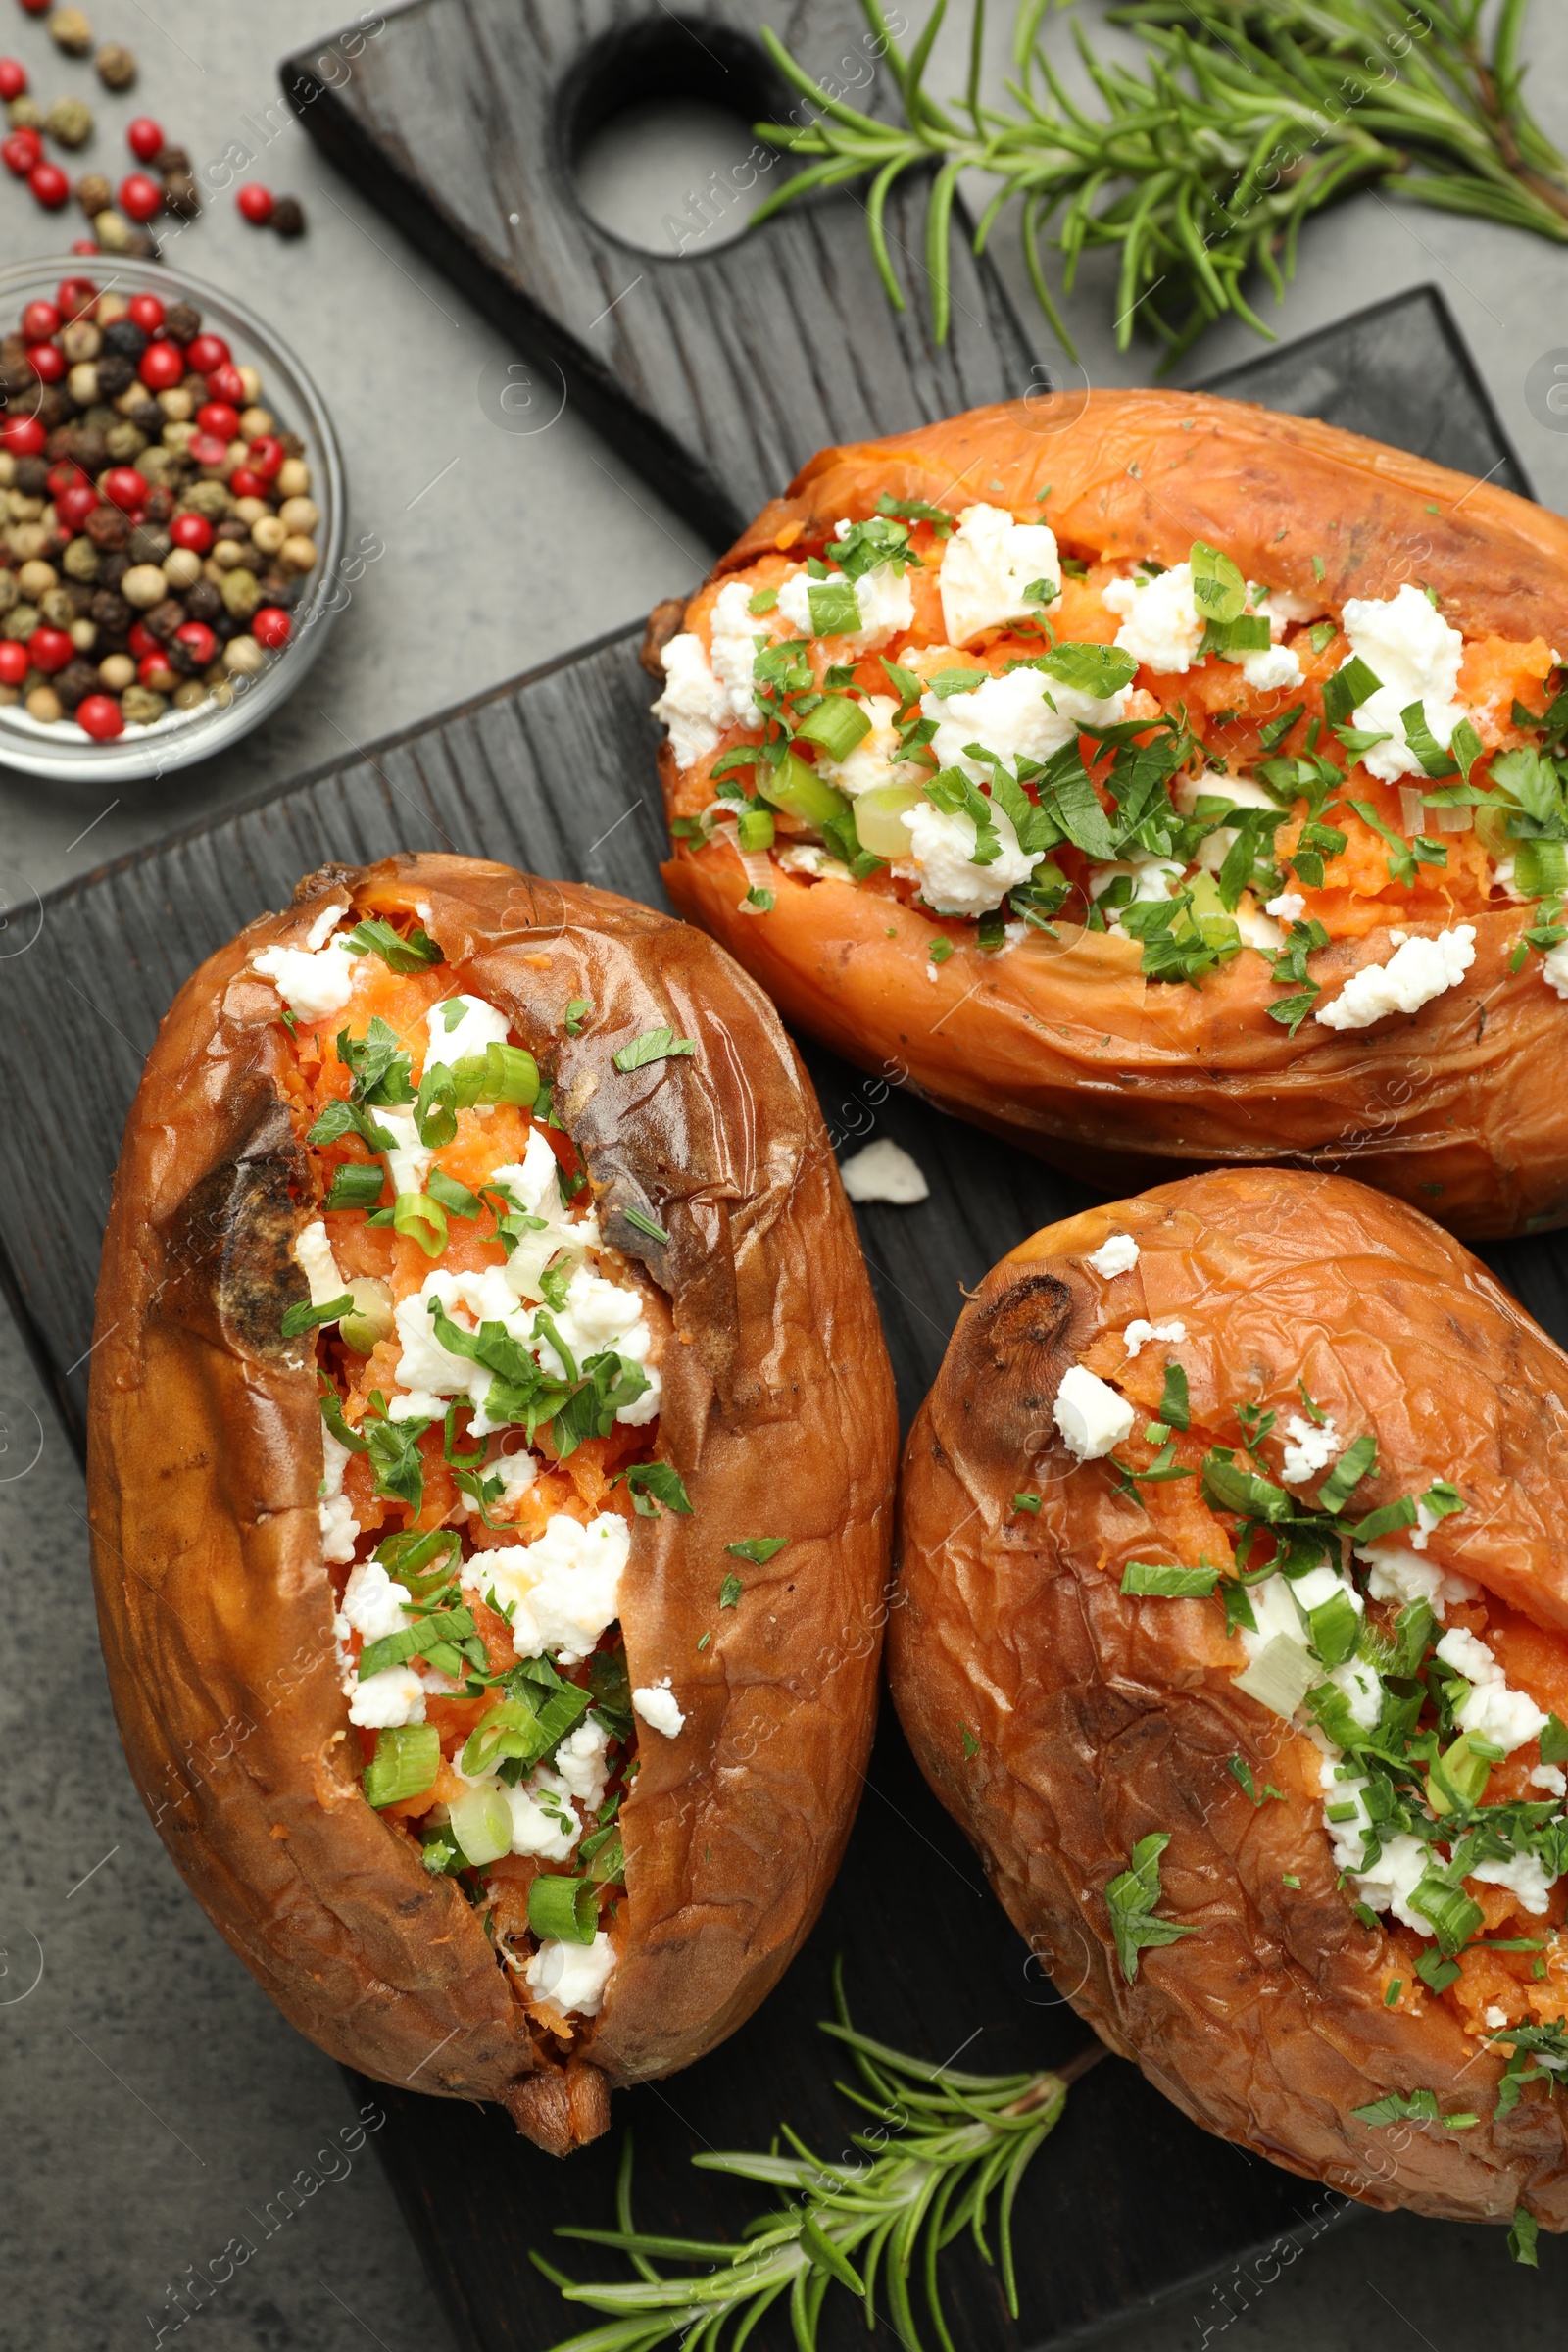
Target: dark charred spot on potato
point(229, 1245)
point(1009, 1354)
point(325, 879)
point(665, 622)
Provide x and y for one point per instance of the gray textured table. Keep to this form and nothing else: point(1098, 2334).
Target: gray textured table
point(154, 2106)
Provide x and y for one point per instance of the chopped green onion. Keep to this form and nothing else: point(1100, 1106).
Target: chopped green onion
point(835, 607)
point(421, 1218)
point(755, 829)
point(641, 1224)
point(405, 1764)
point(481, 1823)
point(1027, 1503)
point(762, 600)
point(837, 725)
point(1452, 1911)
point(801, 792)
point(564, 1909)
point(356, 1183)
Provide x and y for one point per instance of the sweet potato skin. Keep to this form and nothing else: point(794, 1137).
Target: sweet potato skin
point(1097, 1718)
point(1062, 1045)
point(205, 1457)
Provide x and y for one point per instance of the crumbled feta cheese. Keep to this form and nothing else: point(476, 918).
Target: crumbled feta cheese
point(373, 1602)
point(1320, 1584)
point(1271, 669)
point(1554, 962)
point(573, 1975)
point(736, 634)
point(1418, 970)
point(1284, 604)
point(1406, 643)
point(1549, 1776)
point(1491, 1709)
point(543, 1822)
point(467, 1031)
point(425, 1366)
point(313, 1254)
point(870, 763)
point(408, 1160)
point(312, 982)
point(942, 855)
point(1242, 792)
point(1524, 1876)
point(1396, 1574)
point(601, 1316)
point(581, 1762)
point(1288, 907)
point(884, 1172)
point(1494, 2017)
point(1161, 628)
point(884, 597)
point(985, 566)
point(1361, 1688)
point(388, 1699)
point(1118, 1256)
point(1013, 717)
point(1089, 1416)
point(657, 1704)
point(1310, 1448)
point(333, 1510)
point(561, 1591)
point(1276, 1613)
point(694, 705)
point(325, 923)
point(1151, 878)
point(1257, 930)
point(517, 1472)
point(1138, 1335)
point(1394, 1878)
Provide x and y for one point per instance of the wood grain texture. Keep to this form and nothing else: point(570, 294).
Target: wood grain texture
point(719, 371)
point(555, 771)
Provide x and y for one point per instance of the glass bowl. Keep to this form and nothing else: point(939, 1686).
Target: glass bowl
point(64, 750)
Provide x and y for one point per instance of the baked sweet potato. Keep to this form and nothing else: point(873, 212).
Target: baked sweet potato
point(1132, 767)
point(490, 1464)
point(1234, 1632)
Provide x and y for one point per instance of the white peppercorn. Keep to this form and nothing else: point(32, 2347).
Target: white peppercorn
point(69, 29)
point(44, 705)
point(243, 658)
point(297, 553)
point(293, 478)
point(80, 559)
point(83, 634)
point(118, 671)
point(181, 569)
point(299, 514)
point(82, 383)
point(36, 578)
point(268, 533)
point(144, 586)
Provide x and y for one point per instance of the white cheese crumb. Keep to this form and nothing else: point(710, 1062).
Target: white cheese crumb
point(1524, 1876)
point(1011, 716)
point(1153, 877)
point(1288, 907)
point(1549, 1776)
point(883, 597)
point(313, 1254)
point(985, 566)
point(1089, 1416)
point(581, 1762)
point(657, 1704)
point(573, 1975)
point(870, 763)
point(1271, 669)
point(1118, 1256)
point(543, 1823)
point(1406, 643)
point(373, 1602)
point(1418, 970)
point(1138, 1335)
point(1160, 625)
point(1241, 791)
point(561, 1591)
point(1310, 1448)
point(1491, 1710)
point(694, 705)
point(477, 1026)
point(883, 1171)
point(325, 923)
point(333, 1510)
point(1397, 1575)
point(942, 855)
point(312, 982)
point(1494, 2017)
point(408, 1160)
point(388, 1699)
point(1554, 964)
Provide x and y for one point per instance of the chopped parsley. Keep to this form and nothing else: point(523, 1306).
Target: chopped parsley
point(654, 1045)
point(756, 1548)
point(1131, 1897)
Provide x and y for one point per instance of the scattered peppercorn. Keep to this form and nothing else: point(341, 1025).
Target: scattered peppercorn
point(181, 195)
point(70, 30)
point(144, 137)
point(152, 551)
point(116, 66)
point(49, 185)
point(12, 79)
point(256, 203)
point(94, 194)
point(140, 195)
point(70, 121)
point(288, 216)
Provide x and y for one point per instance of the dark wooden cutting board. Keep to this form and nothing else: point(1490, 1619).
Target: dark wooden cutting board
point(555, 771)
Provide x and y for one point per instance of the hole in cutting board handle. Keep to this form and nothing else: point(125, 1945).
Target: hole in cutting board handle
point(658, 132)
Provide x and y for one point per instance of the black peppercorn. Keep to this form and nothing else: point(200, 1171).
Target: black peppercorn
point(77, 679)
point(147, 545)
point(88, 448)
point(110, 615)
point(288, 216)
point(181, 195)
point(179, 657)
point(171, 158)
point(32, 477)
point(116, 372)
point(113, 568)
point(106, 527)
point(149, 419)
point(165, 619)
point(158, 508)
point(125, 336)
point(181, 321)
point(203, 603)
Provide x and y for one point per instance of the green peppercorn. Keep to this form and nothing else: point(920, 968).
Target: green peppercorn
point(116, 66)
point(70, 30)
point(69, 120)
point(140, 705)
point(241, 592)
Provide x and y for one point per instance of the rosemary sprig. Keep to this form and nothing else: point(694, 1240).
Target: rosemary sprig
point(1248, 117)
point(940, 2146)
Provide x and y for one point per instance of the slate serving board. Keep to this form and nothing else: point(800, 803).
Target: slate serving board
point(1130, 2202)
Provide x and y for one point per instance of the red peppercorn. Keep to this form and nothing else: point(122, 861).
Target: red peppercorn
point(84, 245)
point(37, 7)
point(227, 384)
point(47, 362)
point(144, 138)
point(153, 670)
point(220, 417)
point(49, 650)
point(23, 436)
point(203, 353)
point(99, 716)
point(139, 196)
point(266, 456)
point(39, 321)
point(12, 662)
point(193, 531)
point(162, 366)
point(62, 474)
point(271, 626)
point(206, 448)
point(74, 505)
point(49, 185)
point(75, 297)
point(256, 203)
point(142, 642)
point(19, 153)
point(125, 488)
point(146, 312)
point(246, 484)
point(12, 79)
point(198, 640)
